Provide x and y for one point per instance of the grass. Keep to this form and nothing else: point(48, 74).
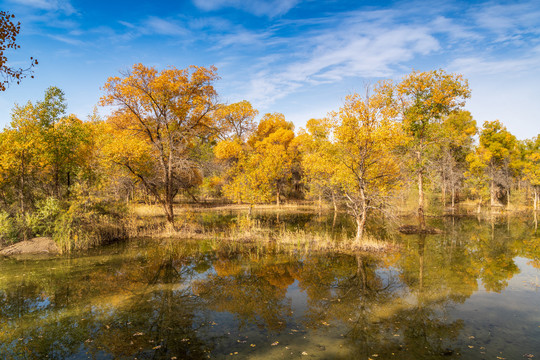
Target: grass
point(244, 230)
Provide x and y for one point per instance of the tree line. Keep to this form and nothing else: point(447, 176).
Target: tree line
point(168, 134)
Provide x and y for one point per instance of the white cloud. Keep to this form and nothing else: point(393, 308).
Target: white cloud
point(67, 40)
point(509, 22)
point(49, 5)
point(164, 27)
point(269, 8)
point(355, 48)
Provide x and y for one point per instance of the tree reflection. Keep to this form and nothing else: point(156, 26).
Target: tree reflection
point(254, 290)
point(145, 301)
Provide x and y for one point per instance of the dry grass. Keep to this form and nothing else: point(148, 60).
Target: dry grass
point(247, 230)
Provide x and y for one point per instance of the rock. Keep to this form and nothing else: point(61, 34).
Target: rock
point(40, 245)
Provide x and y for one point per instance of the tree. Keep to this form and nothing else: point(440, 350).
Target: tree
point(20, 155)
point(275, 152)
point(318, 160)
point(236, 120)
point(63, 138)
point(454, 144)
point(8, 35)
point(260, 167)
point(499, 148)
point(532, 167)
point(158, 118)
point(366, 169)
point(422, 99)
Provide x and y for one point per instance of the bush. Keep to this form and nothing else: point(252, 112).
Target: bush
point(88, 223)
point(8, 228)
point(42, 221)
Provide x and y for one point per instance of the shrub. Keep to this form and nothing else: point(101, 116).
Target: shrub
point(88, 223)
point(8, 228)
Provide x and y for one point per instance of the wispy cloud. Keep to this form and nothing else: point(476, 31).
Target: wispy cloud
point(67, 40)
point(63, 6)
point(509, 22)
point(387, 43)
point(161, 26)
point(529, 62)
point(355, 47)
point(268, 8)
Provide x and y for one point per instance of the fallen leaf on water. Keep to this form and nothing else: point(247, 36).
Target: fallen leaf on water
point(275, 343)
point(304, 353)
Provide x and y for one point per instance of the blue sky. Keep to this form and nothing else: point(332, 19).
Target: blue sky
point(300, 58)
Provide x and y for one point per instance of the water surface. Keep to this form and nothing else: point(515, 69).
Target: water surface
point(469, 293)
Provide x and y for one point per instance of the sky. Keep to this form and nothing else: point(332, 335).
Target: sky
point(299, 58)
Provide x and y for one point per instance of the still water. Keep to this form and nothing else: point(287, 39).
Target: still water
point(472, 292)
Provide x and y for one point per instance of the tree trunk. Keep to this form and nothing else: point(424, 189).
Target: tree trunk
point(277, 196)
point(169, 212)
point(443, 188)
point(22, 185)
point(508, 199)
point(492, 194)
point(453, 198)
point(334, 201)
point(421, 219)
point(22, 200)
point(68, 183)
point(360, 223)
point(535, 203)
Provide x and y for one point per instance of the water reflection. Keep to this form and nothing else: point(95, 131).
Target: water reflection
point(191, 300)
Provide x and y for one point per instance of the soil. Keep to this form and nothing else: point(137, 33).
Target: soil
point(40, 245)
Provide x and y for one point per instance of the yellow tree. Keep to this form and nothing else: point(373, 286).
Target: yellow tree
point(318, 161)
point(21, 152)
point(274, 153)
point(422, 99)
point(500, 149)
point(237, 120)
point(532, 166)
point(261, 166)
point(455, 142)
point(366, 168)
point(158, 117)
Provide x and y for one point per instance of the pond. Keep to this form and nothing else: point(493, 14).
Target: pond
point(472, 292)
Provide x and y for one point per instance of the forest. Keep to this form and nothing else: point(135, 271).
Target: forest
point(163, 221)
point(406, 146)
